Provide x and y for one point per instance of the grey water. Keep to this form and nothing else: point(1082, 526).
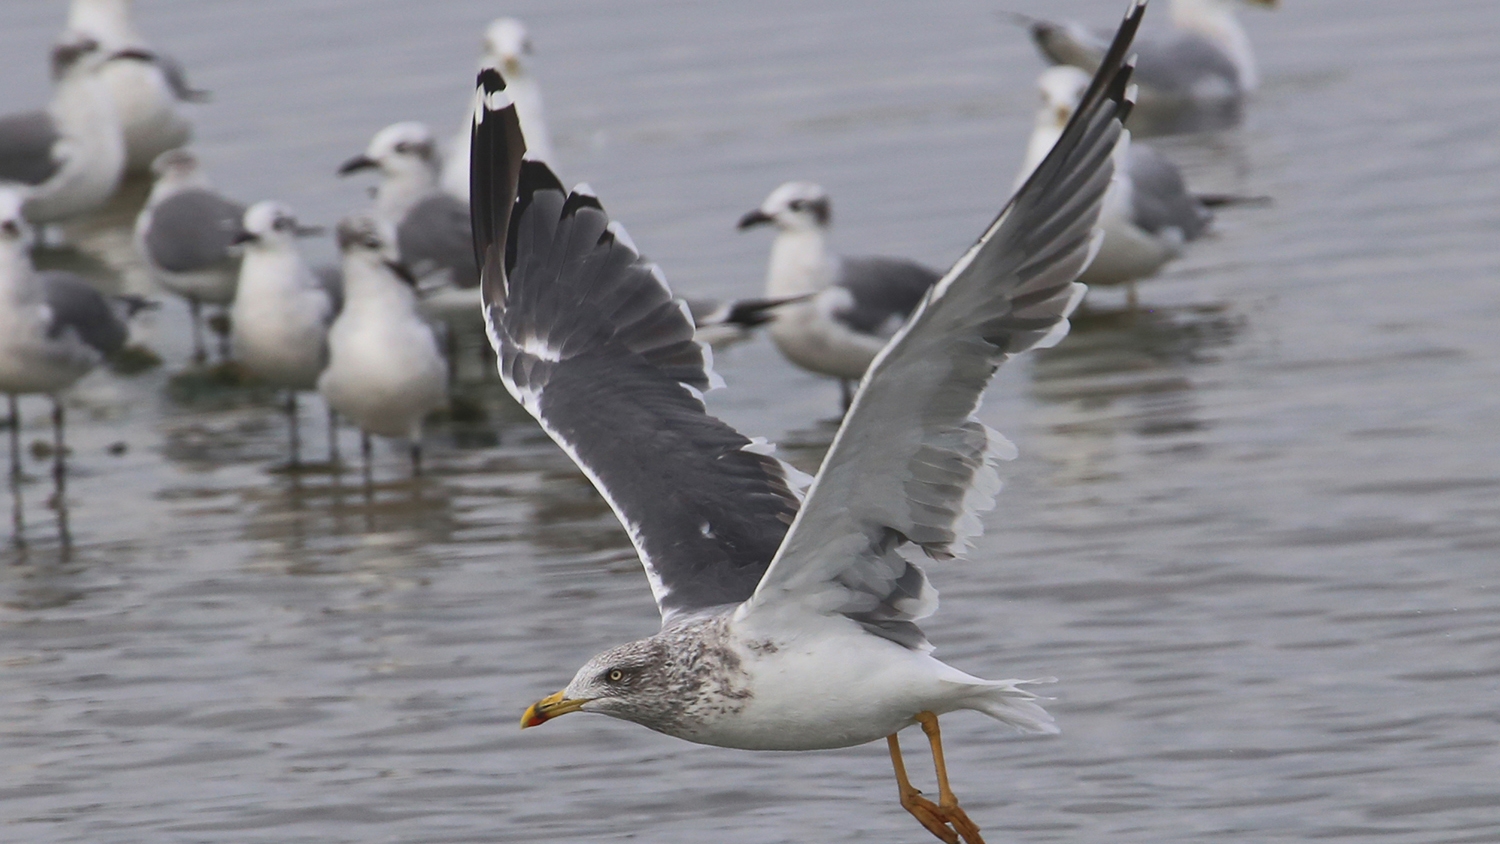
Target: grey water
point(1254, 528)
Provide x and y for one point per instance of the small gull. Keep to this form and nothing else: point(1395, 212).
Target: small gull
point(433, 238)
point(145, 94)
point(789, 622)
point(186, 235)
point(54, 327)
point(855, 305)
point(1148, 213)
point(1191, 78)
point(73, 153)
point(506, 49)
point(282, 310)
point(385, 371)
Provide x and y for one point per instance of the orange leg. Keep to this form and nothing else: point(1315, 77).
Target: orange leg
point(927, 813)
point(947, 802)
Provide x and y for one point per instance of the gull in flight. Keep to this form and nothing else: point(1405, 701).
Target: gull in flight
point(789, 620)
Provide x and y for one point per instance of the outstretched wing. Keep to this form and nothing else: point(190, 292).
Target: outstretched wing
point(591, 342)
point(911, 463)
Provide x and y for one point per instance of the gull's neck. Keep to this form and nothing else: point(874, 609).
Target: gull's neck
point(800, 263)
point(108, 21)
point(1043, 138)
point(273, 269)
point(1216, 21)
point(403, 187)
point(18, 282)
point(82, 109)
point(369, 287)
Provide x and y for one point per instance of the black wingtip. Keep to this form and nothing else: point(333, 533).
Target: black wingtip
point(495, 152)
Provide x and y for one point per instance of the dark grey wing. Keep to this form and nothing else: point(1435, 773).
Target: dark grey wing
point(435, 236)
point(911, 463)
point(1159, 198)
point(26, 141)
point(176, 76)
point(78, 306)
point(331, 277)
point(592, 343)
point(193, 230)
point(883, 292)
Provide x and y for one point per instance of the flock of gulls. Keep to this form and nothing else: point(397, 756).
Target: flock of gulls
point(790, 605)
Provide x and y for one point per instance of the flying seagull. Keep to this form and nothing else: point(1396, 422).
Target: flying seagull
point(1193, 77)
point(852, 305)
point(789, 622)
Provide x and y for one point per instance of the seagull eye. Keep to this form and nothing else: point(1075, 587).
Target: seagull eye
point(796, 205)
point(616, 675)
point(10, 228)
point(403, 147)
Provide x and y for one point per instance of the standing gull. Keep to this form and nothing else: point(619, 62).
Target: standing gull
point(145, 93)
point(433, 239)
point(1148, 213)
point(72, 154)
point(282, 309)
point(186, 234)
point(787, 624)
point(54, 327)
point(507, 48)
point(855, 305)
point(385, 371)
point(1194, 77)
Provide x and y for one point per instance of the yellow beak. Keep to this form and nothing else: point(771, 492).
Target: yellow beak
point(548, 708)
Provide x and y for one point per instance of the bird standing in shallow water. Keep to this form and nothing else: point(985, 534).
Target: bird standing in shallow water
point(282, 310)
point(789, 622)
point(853, 305)
point(385, 370)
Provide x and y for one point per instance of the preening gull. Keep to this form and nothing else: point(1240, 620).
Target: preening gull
point(431, 227)
point(145, 93)
point(788, 622)
point(73, 153)
point(1193, 77)
point(385, 370)
point(54, 327)
point(1148, 213)
point(855, 305)
point(185, 232)
point(282, 309)
point(507, 48)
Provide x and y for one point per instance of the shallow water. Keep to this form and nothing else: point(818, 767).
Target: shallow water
point(1253, 529)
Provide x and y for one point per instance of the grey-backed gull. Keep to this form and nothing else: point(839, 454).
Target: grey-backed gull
point(54, 327)
point(853, 305)
point(145, 93)
point(431, 226)
point(185, 232)
point(282, 310)
point(1193, 77)
point(789, 621)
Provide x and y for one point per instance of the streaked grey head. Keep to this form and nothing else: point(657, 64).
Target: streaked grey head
point(631, 682)
point(795, 206)
point(362, 234)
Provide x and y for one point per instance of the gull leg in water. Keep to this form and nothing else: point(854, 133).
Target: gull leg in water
point(333, 438)
point(15, 437)
point(295, 434)
point(364, 450)
point(416, 459)
point(59, 450)
point(195, 311)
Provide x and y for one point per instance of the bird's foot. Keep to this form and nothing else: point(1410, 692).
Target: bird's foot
point(948, 823)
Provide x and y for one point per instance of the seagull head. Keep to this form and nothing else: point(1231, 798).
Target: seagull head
point(177, 167)
point(271, 223)
point(506, 46)
point(795, 206)
point(1062, 88)
point(630, 682)
point(397, 150)
point(365, 241)
point(15, 232)
point(74, 52)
